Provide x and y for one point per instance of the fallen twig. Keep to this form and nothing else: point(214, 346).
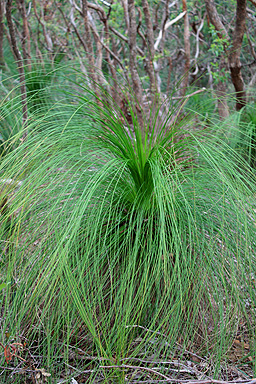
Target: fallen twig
point(173, 380)
point(136, 367)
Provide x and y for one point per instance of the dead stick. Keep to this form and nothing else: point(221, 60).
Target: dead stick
point(207, 381)
point(135, 367)
point(191, 94)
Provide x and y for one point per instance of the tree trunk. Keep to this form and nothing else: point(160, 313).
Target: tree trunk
point(25, 35)
point(215, 19)
point(133, 51)
point(2, 62)
point(41, 21)
point(221, 93)
point(234, 55)
point(235, 50)
point(18, 58)
point(126, 14)
point(151, 49)
point(185, 80)
point(89, 45)
point(137, 89)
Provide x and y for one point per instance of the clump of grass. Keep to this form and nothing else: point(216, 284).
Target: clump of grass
point(38, 84)
point(130, 243)
point(10, 123)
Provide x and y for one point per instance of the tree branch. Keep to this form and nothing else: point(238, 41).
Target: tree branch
point(122, 37)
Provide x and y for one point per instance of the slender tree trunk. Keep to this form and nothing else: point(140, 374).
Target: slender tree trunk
point(89, 44)
point(234, 51)
point(99, 54)
point(137, 89)
point(25, 35)
point(221, 86)
point(133, 51)
point(159, 44)
point(2, 62)
point(151, 49)
point(221, 93)
point(169, 75)
point(41, 21)
point(215, 19)
point(126, 14)
point(116, 89)
point(185, 80)
point(234, 56)
point(18, 58)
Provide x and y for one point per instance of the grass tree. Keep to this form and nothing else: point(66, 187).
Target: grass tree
point(123, 243)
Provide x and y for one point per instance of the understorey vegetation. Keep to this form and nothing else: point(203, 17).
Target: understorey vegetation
point(127, 192)
point(127, 249)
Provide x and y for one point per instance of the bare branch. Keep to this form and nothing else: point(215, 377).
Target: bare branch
point(191, 94)
point(167, 25)
point(122, 37)
point(140, 33)
point(106, 3)
point(197, 46)
point(47, 37)
point(72, 20)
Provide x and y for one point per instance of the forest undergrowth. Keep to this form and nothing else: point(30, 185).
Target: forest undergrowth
point(127, 244)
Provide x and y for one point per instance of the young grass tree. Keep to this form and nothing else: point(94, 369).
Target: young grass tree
point(124, 242)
